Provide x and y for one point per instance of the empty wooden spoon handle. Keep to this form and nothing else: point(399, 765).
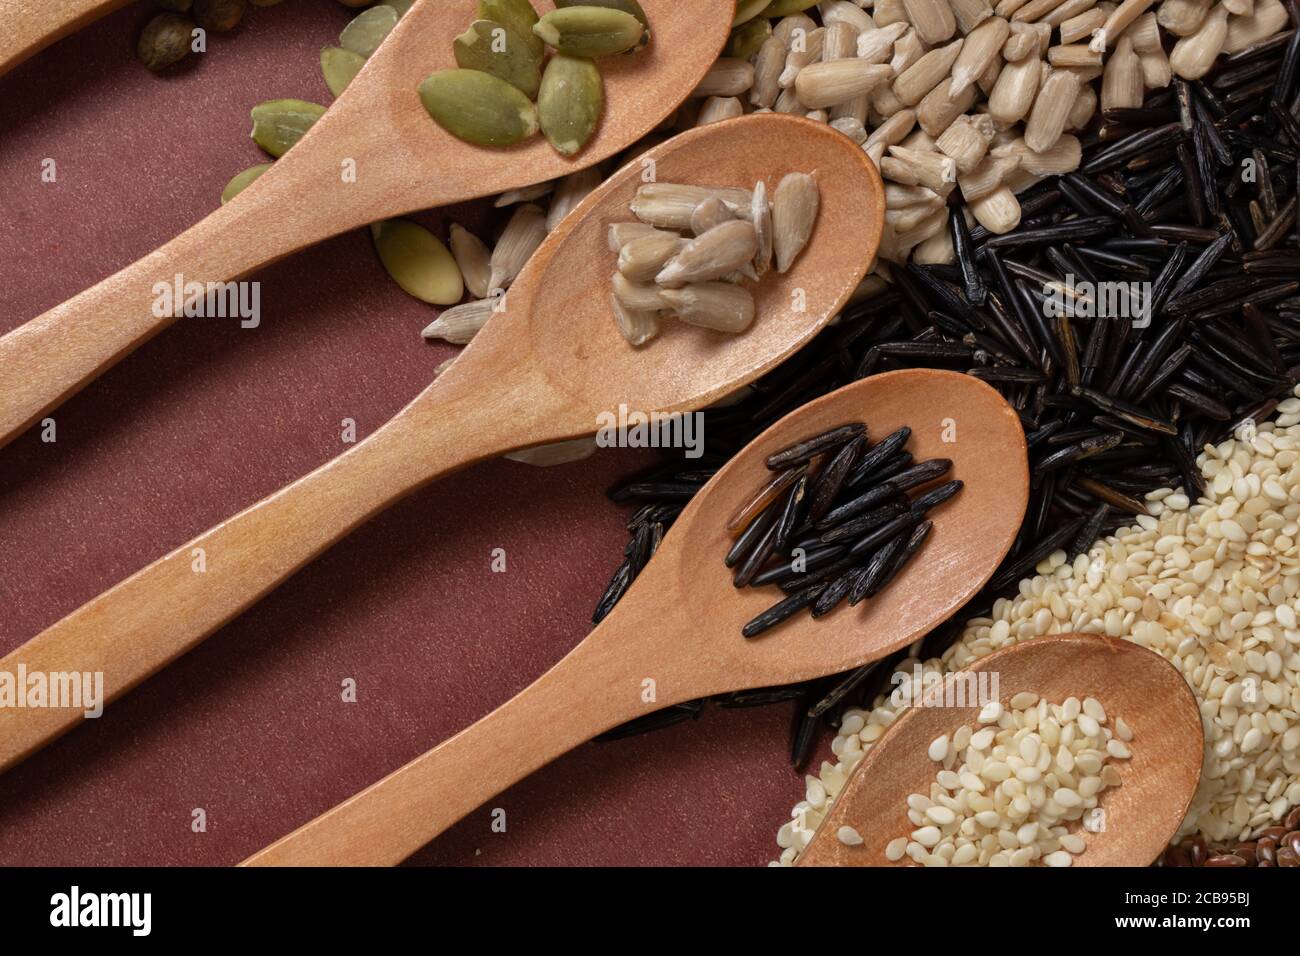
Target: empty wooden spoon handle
point(590, 690)
point(51, 357)
point(32, 25)
point(162, 611)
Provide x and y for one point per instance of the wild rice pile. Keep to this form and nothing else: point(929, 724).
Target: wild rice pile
point(1210, 585)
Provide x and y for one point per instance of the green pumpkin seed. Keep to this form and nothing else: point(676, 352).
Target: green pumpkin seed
point(515, 13)
point(364, 34)
point(499, 49)
point(418, 262)
point(783, 8)
point(478, 107)
point(570, 102)
point(242, 181)
point(278, 124)
point(627, 6)
point(748, 9)
point(339, 66)
point(747, 38)
point(590, 31)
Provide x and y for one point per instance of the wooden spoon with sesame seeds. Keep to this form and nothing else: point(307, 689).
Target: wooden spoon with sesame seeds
point(547, 367)
point(1139, 686)
point(678, 628)
point(375, 154)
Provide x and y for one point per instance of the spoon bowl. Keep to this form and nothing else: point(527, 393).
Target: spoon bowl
point(676, 633)
point(1141, 815)
point(403, 162)
point(545, 368)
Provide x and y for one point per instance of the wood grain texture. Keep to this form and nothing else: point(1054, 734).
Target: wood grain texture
point(542, 370)
point(404, 162)
point(1131, 682)
point(32, 25)
point(679, 623)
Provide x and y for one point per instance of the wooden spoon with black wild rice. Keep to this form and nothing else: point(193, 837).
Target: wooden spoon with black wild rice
point(676, 633)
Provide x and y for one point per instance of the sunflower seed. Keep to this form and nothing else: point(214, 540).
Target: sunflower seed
point(926, 73)
point(621, 233)
point(827, 84)
point(557, 453)
point(998, 211)
point(478, 107)
point(520, 239)
point(1121, 83)
point(572, 190)
point(1051, 109)
point(718, 108)
point(1182, 17)
point(767, 73)
point(669, 205)
point(418, 261)
point(643, 259)
point(713, 255)
point(1194, 54)
point(638, 326)
point(638, 297)
point(794, 212)
point(1013, 94)
point(712, 212)
point(474, 260)
point(459, 324)
point(713, 305)
point(933, 19)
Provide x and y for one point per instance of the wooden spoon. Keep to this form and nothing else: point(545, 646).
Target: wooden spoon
point(403, 160)
point(677, 630)
point(543, 370)
point(32, 25)
point(1131, 682)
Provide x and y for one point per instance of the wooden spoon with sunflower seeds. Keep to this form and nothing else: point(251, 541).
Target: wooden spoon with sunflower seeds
point(375, 154)
point(1142, 814)
point(32, 25)
point(544, 369)
point(679, 624)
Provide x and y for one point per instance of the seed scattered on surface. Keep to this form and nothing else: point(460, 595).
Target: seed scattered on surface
point(242, 181)
point(368, 30)
point(522, 236)
point(278, 124)
point(219, 16)
point(339, 67)
point(459, 324)
point(164, 41)
point(418, 262)
point(473, 259)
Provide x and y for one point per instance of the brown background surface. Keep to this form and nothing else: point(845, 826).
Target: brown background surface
point(207, 419)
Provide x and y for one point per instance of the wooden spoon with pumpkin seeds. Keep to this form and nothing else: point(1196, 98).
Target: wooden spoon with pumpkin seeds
point(375, 154)
point(32, 25)
point(545, 368)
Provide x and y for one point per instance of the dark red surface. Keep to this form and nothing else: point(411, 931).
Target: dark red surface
point(207, 419)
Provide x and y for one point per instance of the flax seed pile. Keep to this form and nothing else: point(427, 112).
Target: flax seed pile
point(1212, 585)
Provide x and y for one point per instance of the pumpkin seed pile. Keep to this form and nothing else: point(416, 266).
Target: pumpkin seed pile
point(505, 89)
point(735, 235)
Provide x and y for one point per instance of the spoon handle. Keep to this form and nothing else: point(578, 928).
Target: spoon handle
point(142, 624)
point(51, 357)
point(32, 25)
point(595, 687)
